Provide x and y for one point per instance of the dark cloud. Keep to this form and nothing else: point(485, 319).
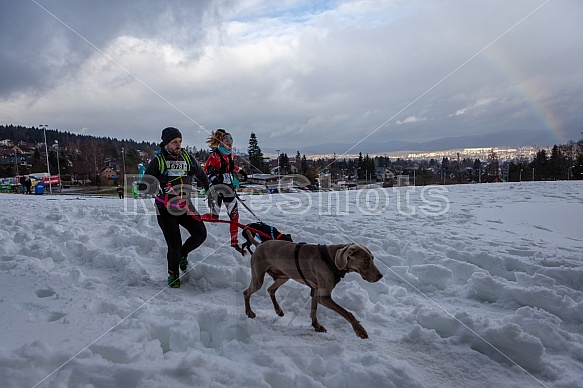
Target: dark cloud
point(44, 41)
point(345, 70)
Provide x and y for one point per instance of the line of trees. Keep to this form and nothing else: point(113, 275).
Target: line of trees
point(83, 156)
point(363, 168)
point(564, 162)
point(80, 157)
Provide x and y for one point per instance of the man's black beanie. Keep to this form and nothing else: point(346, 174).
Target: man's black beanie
point(169, 134)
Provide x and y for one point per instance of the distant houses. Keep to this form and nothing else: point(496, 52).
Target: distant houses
point(108, 174)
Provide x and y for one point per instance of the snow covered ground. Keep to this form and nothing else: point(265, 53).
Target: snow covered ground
point(483, 287)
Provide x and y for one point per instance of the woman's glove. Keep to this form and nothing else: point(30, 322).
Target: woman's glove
point(242, 176)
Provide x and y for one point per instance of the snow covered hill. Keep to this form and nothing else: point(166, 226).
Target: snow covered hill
point(483, 287)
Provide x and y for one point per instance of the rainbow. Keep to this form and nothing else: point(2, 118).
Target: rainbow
point(532, 89)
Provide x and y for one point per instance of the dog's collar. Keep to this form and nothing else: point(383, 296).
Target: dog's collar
point(338, 273)
point(273, 236)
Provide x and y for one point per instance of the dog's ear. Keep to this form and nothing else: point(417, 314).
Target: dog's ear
point(341, 257)
point(366, 250)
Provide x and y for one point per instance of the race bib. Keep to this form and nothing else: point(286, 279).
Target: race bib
point(177, 168)
point(227, 179)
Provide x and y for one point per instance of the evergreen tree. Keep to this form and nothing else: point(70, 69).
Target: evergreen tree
point(556, 163)
point(304, 168)
point(477, 165)
point(360, 167)
point(284, 163)
point(369, 168)
point(445, 163)
point(540, 164)
point(478, 169)
point(132, 159)
point(255, 155)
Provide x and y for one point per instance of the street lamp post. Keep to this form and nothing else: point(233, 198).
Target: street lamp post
point(58, 166)
point(278, 167)
point(480, 177)
point(16, 161)
point(44, 126)
point(123, 158)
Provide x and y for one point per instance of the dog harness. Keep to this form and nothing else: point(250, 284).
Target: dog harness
point(338, 273)
point(271, 234)
point(297, 259)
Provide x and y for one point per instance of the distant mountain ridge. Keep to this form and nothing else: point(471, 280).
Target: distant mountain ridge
point(497, 139)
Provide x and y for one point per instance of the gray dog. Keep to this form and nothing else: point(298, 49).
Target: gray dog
point(320, 267)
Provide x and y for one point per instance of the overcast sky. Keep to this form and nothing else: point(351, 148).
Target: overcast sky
point(294, 72)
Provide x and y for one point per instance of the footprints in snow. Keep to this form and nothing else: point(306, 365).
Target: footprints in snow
point(45, 293)
point(39, 311)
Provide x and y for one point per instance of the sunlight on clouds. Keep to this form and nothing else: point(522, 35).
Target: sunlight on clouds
point(167, 70)
point(486, 101)
point(411, 120)
point(480, 103)
point(102, 83)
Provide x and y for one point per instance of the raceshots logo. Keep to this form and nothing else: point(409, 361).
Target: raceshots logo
point(431, 201)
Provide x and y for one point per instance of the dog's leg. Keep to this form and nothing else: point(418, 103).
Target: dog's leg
point(326, 300)
point(319, 328)
point(278, 281)
point(257, 278)
point(247, 245)
point(250, 240)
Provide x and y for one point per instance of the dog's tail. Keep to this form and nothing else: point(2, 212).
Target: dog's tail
point(251, 238)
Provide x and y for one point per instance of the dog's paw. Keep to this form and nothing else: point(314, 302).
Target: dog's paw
point(250, 314)
point(239, 249)
point(361, 332)
point(279, 312)
point(319, 328)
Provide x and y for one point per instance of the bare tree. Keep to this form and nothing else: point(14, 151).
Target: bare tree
point(493, 164)
point(93, 155)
